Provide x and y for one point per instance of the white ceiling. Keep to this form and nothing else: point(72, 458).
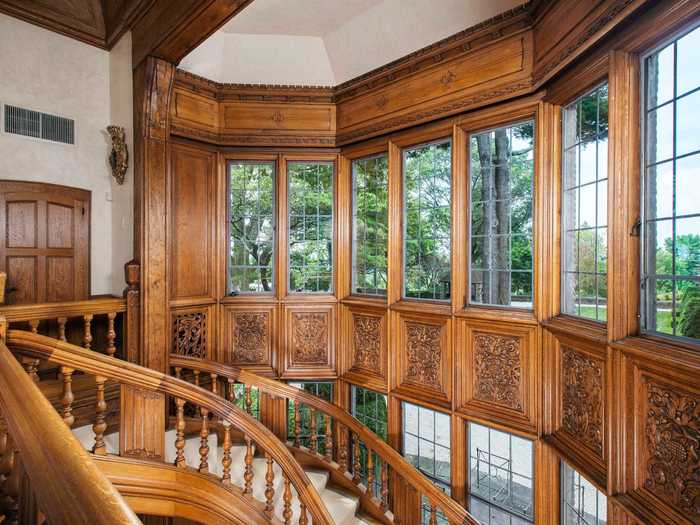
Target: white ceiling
point(327, 42)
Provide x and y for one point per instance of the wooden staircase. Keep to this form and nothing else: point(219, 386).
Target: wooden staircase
point(210, 462)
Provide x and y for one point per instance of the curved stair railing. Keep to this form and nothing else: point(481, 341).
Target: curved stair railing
point(209, 408)
point(348, 433)
point(36, 443)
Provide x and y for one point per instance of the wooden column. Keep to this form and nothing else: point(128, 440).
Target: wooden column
point(143, 413)
point(132, 335)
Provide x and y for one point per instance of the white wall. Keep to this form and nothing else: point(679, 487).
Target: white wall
point(48, 72)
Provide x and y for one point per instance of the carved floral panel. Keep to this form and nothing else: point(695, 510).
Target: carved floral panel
point(497, 369)
point(250, 337)
point(190, 334)
point(672, 437)
point(582, 399)
point(309, 338)
point(367, 342)
point(423, 354)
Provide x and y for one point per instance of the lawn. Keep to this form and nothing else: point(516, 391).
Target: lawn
point(663, 317)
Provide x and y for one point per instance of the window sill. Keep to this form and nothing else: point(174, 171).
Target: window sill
point(594, 331)
point(495, 313)
point(424, 306)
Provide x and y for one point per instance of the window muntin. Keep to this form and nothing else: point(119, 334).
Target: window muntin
point(427, 184)
point(502, 166)
point(310, 215)
point(584, 206)
point(322, 390)
point(426, 445)
point(501, 481)
point(251, 227)
point(581, 502)
point(370, 238)
point(370, 408)
point(671, 201)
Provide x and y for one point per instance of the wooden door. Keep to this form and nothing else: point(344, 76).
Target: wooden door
point(45, 242)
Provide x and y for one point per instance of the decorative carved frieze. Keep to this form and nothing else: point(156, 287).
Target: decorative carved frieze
point(190, 334)
point(367, 342)
point(423, 354)
point(250, 336)
point(672, 438)
point(309, 338)
point(582, 399)
point(497, 369)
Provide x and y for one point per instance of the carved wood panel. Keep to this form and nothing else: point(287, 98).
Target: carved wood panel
point(364, 340)
point(309, 348)
point(497, 375)
point(672, 443)
point(583, 390)
point(248, 336)
point(193, 332)
point(425, 356)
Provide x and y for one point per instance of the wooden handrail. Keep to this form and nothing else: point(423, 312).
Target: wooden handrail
point(65, 354)
point(454, 512)
point(96, 305)
point(69, 486)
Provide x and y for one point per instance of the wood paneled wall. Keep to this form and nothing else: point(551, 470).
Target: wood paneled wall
point(621, 408)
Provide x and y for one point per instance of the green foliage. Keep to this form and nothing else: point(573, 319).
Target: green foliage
point(427, 240)
point(310, 226)
point(689, 312)
point(370, 225)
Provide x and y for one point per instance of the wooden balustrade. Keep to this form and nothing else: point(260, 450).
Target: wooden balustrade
point(381, 462)
point(69, 488)
point(212, 410)
point(79, 321)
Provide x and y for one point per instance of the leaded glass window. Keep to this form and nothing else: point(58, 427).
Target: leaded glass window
point(581, 502)
point(584, 211)
point(426, 445)
point(427, 183)
point(370, 408)
point(310, 206)
point(240, 399)
point(322, 390)
point(251, 227)
point(500, 476)
point(671, 203)
point(501, 173)
point(369, 225)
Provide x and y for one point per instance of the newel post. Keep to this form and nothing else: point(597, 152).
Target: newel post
point(132, 274)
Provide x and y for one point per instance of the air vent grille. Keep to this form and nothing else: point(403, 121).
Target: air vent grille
point(22, 121)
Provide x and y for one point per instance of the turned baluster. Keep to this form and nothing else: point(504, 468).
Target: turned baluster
point(100, 412)
point(196, 377)
point(31, 366)
point(204, 442)
point(287, 499)
point(34, 326)
point(10, 488)
point(62, 328)
point(214, 384)
point(343, 451)
point(303, 519)
point(356, 465)
point(226, 460)
point(231, 390)
point(370, 472)
point(178, 372)
point(329, 440)
point(68, 397)
point(248, 474)
point(269, 487)
point(248, 400)
point(87, 336)
point(180, 434)
point(313, 441)
point(297, 425)
point(385, 486)
point(111, 334)
point(433, 515)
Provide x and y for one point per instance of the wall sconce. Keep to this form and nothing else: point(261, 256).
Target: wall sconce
point(119, 156)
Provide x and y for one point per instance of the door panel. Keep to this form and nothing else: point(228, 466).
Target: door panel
point(44, 242)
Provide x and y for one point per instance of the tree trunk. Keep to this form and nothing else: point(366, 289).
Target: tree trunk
point(484, 146)
point(503, 205)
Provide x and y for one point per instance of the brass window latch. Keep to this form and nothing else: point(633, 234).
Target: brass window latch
point(636, 228)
